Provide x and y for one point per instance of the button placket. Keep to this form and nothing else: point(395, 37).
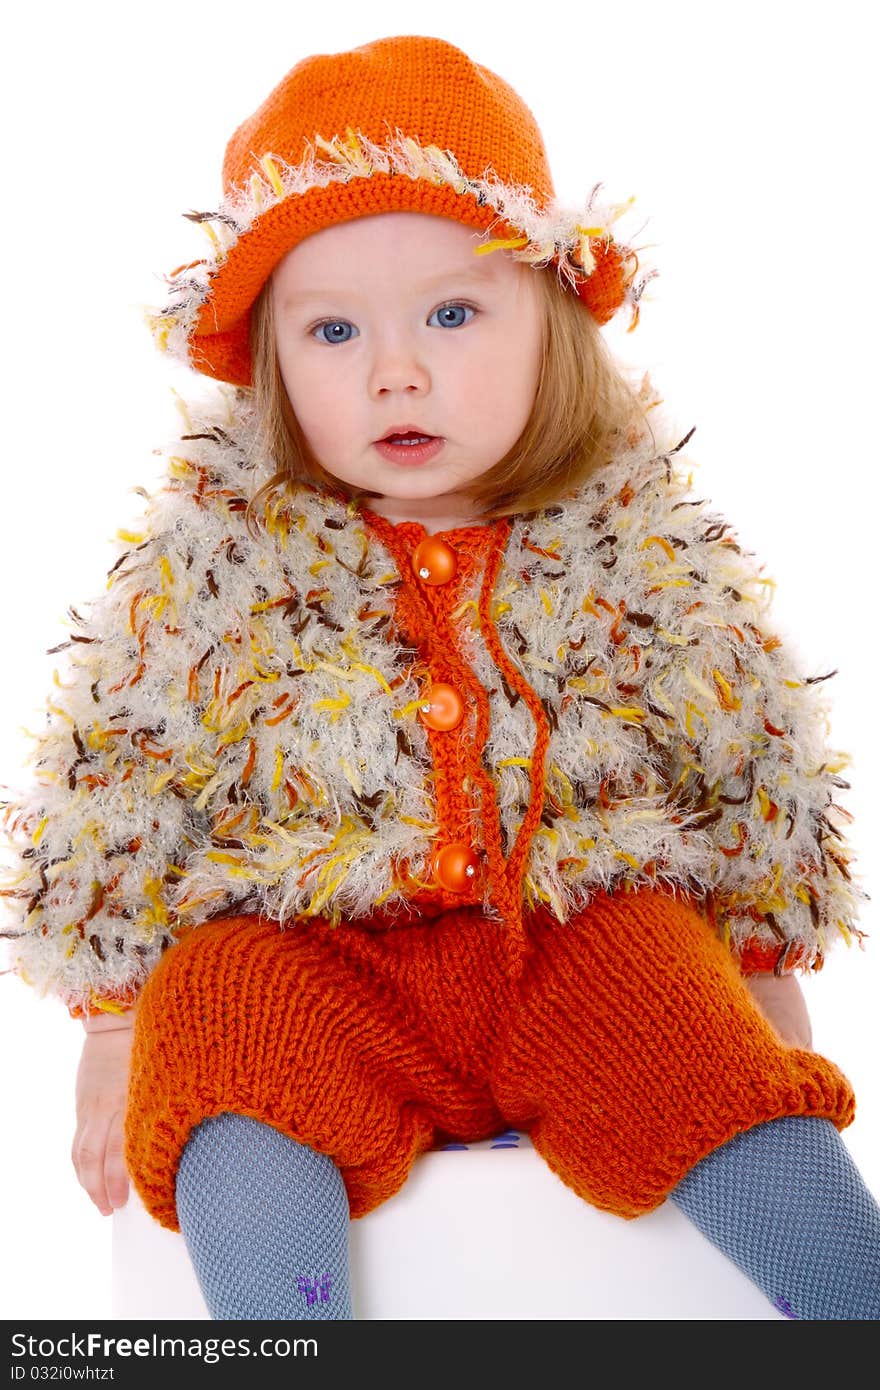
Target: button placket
point(454, 866)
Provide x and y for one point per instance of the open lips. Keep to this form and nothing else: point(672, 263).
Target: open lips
point(405, 434)
point(409, 444)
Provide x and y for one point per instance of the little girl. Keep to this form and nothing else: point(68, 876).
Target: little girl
point(426, 768)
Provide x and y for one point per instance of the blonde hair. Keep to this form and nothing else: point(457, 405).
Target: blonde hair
point(584, 411)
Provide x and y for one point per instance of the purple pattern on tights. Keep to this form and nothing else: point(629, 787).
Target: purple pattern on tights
point(312, 1290)
point(785, 1308)
point(508, 1140)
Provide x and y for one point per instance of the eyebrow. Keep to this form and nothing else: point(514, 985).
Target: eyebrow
point(476, 273)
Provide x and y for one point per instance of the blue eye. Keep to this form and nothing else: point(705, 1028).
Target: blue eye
point(451, 309)
point(333, 323)
point(343, 323)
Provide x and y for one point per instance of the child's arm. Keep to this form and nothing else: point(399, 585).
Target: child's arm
point(109, 1023)
point(98, 1150)
point(781, 1001)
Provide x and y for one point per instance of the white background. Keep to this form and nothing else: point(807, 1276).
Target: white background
point(745, 133)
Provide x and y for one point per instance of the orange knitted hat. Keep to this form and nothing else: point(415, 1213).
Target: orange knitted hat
point(403, 124)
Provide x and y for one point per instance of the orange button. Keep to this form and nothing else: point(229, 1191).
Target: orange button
point(434, 562)
point(455, 867)
point(443, 708)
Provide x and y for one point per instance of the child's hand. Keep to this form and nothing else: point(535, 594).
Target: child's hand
point(782, 1003)
point(101, 1096)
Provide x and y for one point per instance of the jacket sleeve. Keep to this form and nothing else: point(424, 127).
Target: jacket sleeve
point(745, 728)
point(106, 827)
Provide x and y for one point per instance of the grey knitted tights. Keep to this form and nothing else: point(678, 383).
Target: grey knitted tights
point(266, 1220)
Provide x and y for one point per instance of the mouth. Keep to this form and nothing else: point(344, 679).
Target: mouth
point(405, 434)
point(408, 447)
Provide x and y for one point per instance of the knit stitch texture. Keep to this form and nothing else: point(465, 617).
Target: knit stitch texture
point(787, 1204)
point(407, 123)
point(629, 1048)
point(265, 1222)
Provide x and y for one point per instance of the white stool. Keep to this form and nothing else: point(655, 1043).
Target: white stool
point(477, 1231)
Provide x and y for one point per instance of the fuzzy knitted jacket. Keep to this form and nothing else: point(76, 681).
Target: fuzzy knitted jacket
point(242, 724)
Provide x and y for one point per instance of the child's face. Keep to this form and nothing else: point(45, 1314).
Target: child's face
point(394, 348)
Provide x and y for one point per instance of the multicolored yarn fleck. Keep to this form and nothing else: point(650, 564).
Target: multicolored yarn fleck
point(630, 718)
point(426, 130)
point(629, 1048)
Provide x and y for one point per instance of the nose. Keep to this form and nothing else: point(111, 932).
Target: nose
point(398, 365)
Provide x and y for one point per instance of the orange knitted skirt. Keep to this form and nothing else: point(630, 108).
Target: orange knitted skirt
point(628, 1048)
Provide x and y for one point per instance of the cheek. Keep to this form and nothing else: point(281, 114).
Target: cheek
point(306, 387)
point(521, 370)
point(495, 385)
point(323, 410)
